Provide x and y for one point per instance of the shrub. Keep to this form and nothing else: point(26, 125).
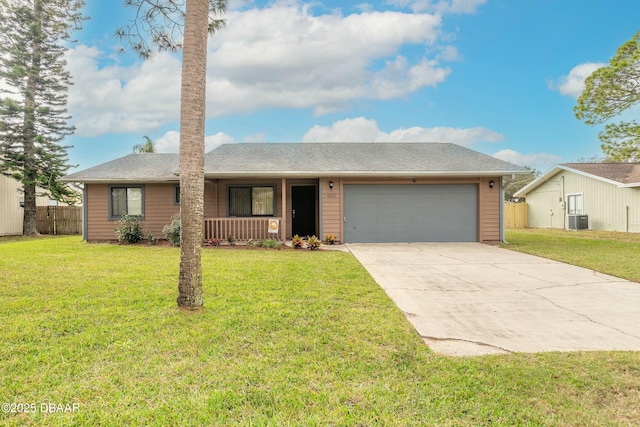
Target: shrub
point(330, 239)
point(297, 242)
point(152, 240)
point(268, 243)
point(231, 239)
point(129, 229)
point(313, 243)
point(172, 230)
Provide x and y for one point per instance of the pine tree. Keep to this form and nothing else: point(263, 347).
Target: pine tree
point(33, 113)
point(611, 91)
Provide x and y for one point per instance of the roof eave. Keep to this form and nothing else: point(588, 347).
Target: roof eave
point(538, 181)
point(359, 174)
point(554, 170)
point(121, 180)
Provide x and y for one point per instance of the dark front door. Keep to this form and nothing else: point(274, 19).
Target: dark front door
point(303, 210)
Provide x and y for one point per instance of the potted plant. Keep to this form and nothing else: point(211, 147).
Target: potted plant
point(313, 243)
point(231, 239)
point(330, 239)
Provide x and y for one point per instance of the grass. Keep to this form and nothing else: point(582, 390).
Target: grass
point(609, 252)
point(286, 338)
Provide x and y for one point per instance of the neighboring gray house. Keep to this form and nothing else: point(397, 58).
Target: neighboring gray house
point(359, 192)
point(597, 196)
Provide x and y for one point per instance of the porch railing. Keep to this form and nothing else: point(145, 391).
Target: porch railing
point(242, 229)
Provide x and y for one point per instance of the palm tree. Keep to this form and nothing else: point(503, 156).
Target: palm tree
point(164, 20)
point(192, 118)
point(147, 147)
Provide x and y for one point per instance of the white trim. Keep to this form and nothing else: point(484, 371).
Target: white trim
point(567, 213)
point(558, 168)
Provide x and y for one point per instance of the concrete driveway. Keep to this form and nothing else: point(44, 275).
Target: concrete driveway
point(469, 299)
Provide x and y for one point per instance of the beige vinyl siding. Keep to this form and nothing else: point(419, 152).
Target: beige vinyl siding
point(489, 211)
point(158, 209)
point(546, 205)
point(11, 214)
point(605, 203)
point(331, 209)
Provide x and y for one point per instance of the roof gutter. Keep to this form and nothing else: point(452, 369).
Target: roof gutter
point(121, 181)
point(359, 174)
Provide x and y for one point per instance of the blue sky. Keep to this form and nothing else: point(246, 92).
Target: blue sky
point(498, 76)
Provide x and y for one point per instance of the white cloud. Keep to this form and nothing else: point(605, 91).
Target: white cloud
point(573, 84)
point(170, 141)
point(540, 161)
point(440, 6)
point(361, 129)
point(281, 56)
point(285, 57)
point(115, 99)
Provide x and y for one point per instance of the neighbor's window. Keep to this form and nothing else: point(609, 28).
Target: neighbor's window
point(252, 201)
point(127, 200)
point(574, 202)
point(176, 195)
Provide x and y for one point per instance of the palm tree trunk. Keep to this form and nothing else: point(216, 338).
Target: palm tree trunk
point(192, 122)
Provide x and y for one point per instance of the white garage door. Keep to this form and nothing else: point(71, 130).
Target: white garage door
point(411, 213)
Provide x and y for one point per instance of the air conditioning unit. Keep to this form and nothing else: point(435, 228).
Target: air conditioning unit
point(578, 222)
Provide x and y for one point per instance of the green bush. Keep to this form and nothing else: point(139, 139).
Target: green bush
point(129, 229)
point(268, 243)
point(172, 230)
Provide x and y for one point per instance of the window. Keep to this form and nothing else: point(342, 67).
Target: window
point(127, 200)
point(176, 195)
point(252, 201)
point(574, 204)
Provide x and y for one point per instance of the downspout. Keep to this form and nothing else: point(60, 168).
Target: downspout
point(564, 203)
point(85, 207)
point(627, 217)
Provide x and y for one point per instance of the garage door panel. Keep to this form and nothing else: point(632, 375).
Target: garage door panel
point(411, 213)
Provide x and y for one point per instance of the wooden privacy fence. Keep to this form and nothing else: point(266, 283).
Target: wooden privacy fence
point(516, 215)
point(59, 219)
point(242, 229)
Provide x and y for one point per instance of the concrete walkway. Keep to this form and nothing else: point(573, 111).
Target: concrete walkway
point(468, 299)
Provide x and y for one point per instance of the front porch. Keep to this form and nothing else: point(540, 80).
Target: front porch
point(244, 229)
point(257, 209)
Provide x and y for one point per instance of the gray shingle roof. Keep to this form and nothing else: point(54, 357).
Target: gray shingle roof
point(324, 159)
point(309, 159)
point(624, 173)
point(141, 167)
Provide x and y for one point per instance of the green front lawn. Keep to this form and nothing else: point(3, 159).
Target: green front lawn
point(286, 338)
point(608, 252)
